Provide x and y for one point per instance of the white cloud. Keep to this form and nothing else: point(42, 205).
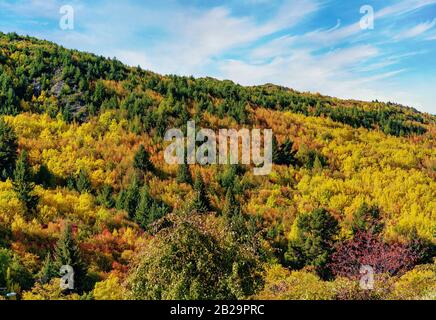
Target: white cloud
point(304, 70)
point(133, 58)
point(404, 6)
point(274, 48)
point(192, 40)
point(337, 34)
point(416, 30)
point(41, 8)
point(197, 38)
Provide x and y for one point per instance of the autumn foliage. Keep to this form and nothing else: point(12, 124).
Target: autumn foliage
point(82, 145)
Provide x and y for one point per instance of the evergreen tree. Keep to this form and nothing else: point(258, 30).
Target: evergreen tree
point(44, 177)
point(48, 270)
point(142, 161)
point(83, 183)
point(275, 151)
point(314, 242)
point(8, 150)
point(184, 174)
point(317, 165)
point(200, 202)
point(307, 158)
point(231, 205)
point(99, 93)
point(229, 178)
point(132, 198)
point(105, 197)
point(287, 154)
point(67, 253)
point(143, 209)
point(149, 209)
point(367, 219)
point(283, 154)
point(23, 184)
point(121, 200)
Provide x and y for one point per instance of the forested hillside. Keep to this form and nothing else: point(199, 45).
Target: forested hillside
point(83, 182)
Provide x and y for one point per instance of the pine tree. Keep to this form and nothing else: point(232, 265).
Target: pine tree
point(132, 198)
point(83, 183)
point(231, 205)
point(8, 150)
point(314, 244)
point(283, 154)
point(200, 202)
point(67, 253)
point(367, 219)
point(99, 93)
point(105, 197)
point(121, 200)
point(142, 161)
point(184, 174)
point(229, 178)
point(287, 154)
point(317, 165)
point(44, 177)
point(47, 271)
point(143, 209)
point(149, 209)
point(275, 151)
point(23, 184)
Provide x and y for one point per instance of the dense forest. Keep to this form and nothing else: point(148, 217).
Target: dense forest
point(83, 182)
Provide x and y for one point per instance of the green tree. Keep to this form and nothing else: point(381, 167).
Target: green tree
point(23, 184)
point(132, 198)
point(105, 197)
point(121, 200)
point(186, 262)
point(8, 150)
point(230, 178)
point(200, 203)
point(141, 161)
point(44, 177)
point(314, 241)
point(13, 274)
point(99, 93)
point(48, 270)
point(367, 218)
point(231, 205)
point(275, 151)
point(287, 153)
point(308, 158)
point(83, 182)
point(184, 174)
point(317, 165)
point(283, 154)
point(149, 209)
point(67, 253)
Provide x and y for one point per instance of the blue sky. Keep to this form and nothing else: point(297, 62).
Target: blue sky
point(308, 45)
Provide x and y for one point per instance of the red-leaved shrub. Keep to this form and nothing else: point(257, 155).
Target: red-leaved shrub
point(367, 248)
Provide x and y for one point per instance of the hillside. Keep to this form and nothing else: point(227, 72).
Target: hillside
point(84, 182)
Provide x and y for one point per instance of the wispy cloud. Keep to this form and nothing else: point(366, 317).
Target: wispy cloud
point(288, 42)
point(416, 31)
point(403, 7)
point(304, 70)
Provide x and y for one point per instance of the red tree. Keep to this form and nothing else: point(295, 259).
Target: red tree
point(369, 249)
